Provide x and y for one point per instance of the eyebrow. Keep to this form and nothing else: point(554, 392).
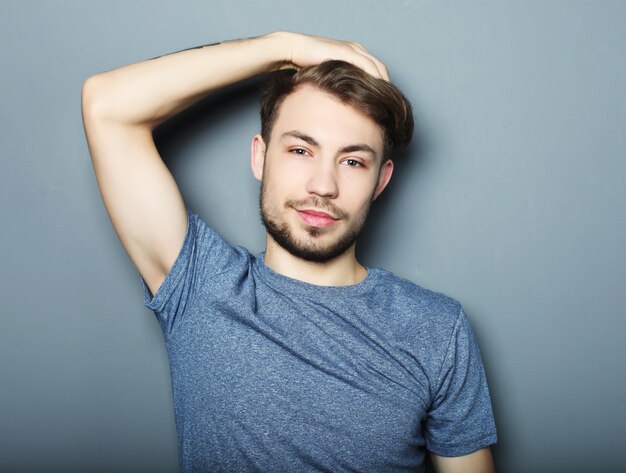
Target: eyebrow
point(346, 149)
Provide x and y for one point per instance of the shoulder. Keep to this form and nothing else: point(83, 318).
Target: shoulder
point(425, 301)
point(412, 311)
point(421, 321)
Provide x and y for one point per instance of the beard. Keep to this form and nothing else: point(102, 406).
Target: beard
point(313, 248)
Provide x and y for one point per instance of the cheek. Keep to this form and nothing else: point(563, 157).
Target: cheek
point(277, 189)
point(287, 178)
point(358, 189)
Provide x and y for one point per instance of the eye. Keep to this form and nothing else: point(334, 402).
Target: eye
point(353, 163)
point(299, 151)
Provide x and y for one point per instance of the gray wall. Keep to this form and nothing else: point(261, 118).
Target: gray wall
point(512, 200)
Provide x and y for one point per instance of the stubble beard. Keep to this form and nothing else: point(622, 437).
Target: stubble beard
point(314, 250)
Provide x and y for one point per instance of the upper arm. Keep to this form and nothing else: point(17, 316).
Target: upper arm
point(460, 417)
point(479, 461)
point(140, 195)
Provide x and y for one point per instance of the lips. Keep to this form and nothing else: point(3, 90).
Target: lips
point(316, 218)
point(317, 213)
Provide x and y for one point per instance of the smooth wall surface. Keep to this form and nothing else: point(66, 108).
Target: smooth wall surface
point(512, 200)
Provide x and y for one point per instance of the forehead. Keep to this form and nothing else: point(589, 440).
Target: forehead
point(325, 118)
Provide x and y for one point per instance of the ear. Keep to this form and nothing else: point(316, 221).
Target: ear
point(257, 156)
point(384, 175)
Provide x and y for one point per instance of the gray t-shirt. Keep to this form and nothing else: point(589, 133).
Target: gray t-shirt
point(274, 374)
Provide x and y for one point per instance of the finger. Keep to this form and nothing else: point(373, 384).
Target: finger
point(371, 65)
point(359, 46)
point(288, 66)
point(381, 69)
point(367, 65)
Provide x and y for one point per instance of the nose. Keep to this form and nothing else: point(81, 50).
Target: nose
point(323, 180)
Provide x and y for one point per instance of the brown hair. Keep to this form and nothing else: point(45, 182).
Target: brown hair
point(378, 99)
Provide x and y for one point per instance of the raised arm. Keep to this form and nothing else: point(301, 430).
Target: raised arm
point(121, 108)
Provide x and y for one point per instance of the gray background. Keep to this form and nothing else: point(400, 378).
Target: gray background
point(511, 199)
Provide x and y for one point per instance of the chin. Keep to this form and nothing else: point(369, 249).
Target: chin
point(314, 244)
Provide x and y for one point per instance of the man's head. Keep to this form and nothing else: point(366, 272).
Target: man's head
point(323, 154)
point(376, 98)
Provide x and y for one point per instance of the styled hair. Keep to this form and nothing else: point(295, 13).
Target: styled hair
point(376, 98)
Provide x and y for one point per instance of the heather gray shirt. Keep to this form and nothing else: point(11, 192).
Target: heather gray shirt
point(277, 375)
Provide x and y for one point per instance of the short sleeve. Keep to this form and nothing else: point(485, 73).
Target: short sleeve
point(203, 255)
point(460, 420)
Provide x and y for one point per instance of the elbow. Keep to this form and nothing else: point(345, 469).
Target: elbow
point(92, 96)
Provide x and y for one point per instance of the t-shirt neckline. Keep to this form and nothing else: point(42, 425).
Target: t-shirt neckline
point(284, 283)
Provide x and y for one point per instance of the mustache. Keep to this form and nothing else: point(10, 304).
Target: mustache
point(318, 203)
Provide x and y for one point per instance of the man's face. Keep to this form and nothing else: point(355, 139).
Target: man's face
point(319, 174)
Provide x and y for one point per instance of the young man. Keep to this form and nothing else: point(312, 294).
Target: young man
point(300, 359)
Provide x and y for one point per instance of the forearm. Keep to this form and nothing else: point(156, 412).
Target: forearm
point(148, 92)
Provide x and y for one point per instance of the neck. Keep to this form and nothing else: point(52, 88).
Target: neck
point(344, 270)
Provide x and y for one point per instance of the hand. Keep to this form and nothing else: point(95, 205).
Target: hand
point(308, 50)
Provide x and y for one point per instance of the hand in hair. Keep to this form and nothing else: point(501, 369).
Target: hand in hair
point(307, 50)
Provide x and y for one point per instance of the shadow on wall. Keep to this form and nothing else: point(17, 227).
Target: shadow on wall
point(375, 233)
point(174, 135)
